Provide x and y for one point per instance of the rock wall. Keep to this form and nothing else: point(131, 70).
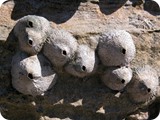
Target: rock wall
point(71, 97)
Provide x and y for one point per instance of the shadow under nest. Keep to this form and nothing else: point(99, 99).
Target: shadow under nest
point(59, 11)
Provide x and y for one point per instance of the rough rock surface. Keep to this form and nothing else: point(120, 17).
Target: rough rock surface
point(74, 98)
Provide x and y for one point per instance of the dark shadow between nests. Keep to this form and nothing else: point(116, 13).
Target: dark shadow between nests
point(93, 94)
point(8, 48)
point(70, 90)
point(152, 7)
point(110, 6)
point(154, 110)
point(58, 11)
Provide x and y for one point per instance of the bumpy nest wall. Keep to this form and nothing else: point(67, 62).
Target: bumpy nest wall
point(72, 97)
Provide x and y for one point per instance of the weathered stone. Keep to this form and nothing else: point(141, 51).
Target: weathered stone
point(139, 116)
point(84, 20)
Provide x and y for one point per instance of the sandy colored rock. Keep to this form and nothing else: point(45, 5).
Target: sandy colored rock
point(83, 19)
